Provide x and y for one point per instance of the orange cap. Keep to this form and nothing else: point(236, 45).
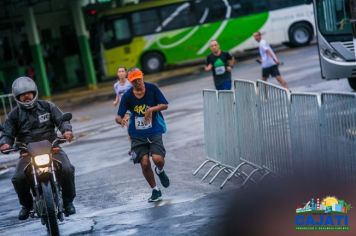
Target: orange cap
point(136, 74)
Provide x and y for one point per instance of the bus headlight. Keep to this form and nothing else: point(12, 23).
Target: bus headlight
point(331, 55)
point(42, 160)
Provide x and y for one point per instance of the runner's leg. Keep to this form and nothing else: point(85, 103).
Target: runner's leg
point(147, 171)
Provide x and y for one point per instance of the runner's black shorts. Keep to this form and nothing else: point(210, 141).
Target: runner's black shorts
point(270, 71)
point(149, 146)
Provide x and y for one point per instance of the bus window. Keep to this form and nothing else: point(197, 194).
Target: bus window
point(278, 4)
point(210, 11)
point(177, 16)
point(116, 32)
point(145, 22)
point(246, 7)
point(334, 16)
point(122, 31)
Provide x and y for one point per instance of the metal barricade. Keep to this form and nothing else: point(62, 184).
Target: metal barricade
point(227, 135)
point(210, 128)
point(247, 129)
point(248, 123)
point(306, 131)
point(339, 133)
point(219, 132)
point(274, 113)
point(263, 126)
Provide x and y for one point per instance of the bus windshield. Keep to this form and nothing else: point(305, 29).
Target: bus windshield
point(334, 17)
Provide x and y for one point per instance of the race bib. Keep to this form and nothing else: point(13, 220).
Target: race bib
point(220, 70)
point(140, 123)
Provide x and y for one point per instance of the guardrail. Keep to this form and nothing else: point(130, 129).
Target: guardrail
point(265, 129)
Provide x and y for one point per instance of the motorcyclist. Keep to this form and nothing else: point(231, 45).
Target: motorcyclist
point(30, 121)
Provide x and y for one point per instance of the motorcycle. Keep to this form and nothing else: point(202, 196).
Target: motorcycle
point(42, 172)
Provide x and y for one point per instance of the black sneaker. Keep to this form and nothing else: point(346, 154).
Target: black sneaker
point(163, 178)
point(69, 209)
point(156, 196)
point(24, 213)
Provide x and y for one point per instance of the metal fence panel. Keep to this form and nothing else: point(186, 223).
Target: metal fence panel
point(339, 133)
point(305, 131)
point(227, 135)
point(274, 108)
point(248, 130)
point(210, 123)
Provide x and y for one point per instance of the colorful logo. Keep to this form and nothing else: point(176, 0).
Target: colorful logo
point(329, 214)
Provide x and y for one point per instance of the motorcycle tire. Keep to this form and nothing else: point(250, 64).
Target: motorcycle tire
point(52, 223)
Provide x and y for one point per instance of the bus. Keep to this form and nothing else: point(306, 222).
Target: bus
point(335, 24)
point(155, 34)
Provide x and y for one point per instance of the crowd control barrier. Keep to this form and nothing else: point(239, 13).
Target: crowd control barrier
point(260, 128)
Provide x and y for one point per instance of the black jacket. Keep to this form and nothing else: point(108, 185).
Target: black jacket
point(31, 125)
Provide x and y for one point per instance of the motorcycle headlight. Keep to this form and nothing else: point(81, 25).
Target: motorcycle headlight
point(42, 160)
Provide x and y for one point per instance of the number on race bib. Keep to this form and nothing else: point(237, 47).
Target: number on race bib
point(140, 123)
point(220, 70)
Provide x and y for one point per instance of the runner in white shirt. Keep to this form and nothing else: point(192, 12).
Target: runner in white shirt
point(122, 85)
point(268, 61)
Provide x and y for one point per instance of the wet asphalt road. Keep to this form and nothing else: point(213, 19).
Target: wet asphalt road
point(112, 193)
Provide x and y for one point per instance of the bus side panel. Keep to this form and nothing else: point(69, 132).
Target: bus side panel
point(238, 34)
point(193, 43)
point(126, 55)
point(182, 45)
point(281, 20)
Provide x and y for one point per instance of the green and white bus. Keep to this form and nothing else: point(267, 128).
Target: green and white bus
point(335, 38)
point(155, 34)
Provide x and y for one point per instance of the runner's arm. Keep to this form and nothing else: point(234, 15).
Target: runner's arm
point(230, 62)
point(117, 100)
point(149, 111)
point(159, 107)
point(273, 56)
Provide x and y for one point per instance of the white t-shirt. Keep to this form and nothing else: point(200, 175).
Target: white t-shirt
point(267, 61)
point(121, 89)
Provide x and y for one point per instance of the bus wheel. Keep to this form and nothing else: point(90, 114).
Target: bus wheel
point(300, 34)
point(152, 62)
point(352, 82)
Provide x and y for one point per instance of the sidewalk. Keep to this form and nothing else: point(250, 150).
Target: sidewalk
point(72, 99)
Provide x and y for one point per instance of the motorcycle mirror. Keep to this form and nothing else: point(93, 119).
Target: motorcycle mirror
point(66, 117)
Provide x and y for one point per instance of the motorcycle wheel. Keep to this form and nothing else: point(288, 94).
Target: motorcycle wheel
point(52, 223)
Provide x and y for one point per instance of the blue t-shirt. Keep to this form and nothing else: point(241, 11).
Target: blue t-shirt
point(137, 127)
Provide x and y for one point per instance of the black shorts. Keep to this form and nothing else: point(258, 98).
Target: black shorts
point(149, 146)
point(270, 71)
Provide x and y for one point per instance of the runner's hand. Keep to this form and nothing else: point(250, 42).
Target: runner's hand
point(126, 119)
point(124, 122)
point(148, 116)
point(5, 147)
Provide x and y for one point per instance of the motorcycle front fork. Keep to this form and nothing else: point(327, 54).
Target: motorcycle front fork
point(38, 206)
point(58, 196)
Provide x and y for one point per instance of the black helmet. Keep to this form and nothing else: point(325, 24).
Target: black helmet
point(24, 85)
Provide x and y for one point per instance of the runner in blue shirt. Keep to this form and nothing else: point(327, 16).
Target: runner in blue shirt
point(145, 102)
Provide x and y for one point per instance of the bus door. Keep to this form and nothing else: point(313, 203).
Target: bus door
point(116, 48)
